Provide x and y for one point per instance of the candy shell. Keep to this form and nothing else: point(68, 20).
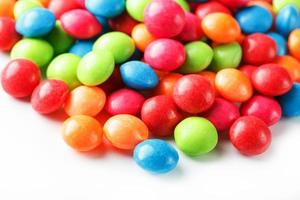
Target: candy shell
point(23, 6)
point(8, 35)
point(105, 8)
point(290, 102)
point(82, 47)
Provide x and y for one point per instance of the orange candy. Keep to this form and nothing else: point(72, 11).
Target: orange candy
point(211, 77)
point(45, 3)
point(82, 133)
point(85, 100)
point(233, 85)
point(294, 43)
point(125, 131)
point(7, 8)
point(291, 65)
point(166, 84)
point(141, 36)
point(221, 27)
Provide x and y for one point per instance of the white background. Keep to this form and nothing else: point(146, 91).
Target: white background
point(35, 164)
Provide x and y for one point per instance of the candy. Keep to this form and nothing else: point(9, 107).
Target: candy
point(82, 133)
point(6, 8)
point(59, 7)
point(196, 136)
point(141, 36)
point(138, 75)
point(164, 19)
point(293, 43)
point(221, 27)
point(287, 20)
point(64, 68)
point(160, 115)
point(250, 135)
point(290, 102)
point(20, 77)
point(85, 100)
point(198, 57)
point(192, 30)
point(210, 7)
point(291, 65)
point(36, 50)
point(80, 24)
point(105, 8)
point(95, 67)
point(135, 8)
point(36, 22)
point(45, 3)
point(124, 101)
point(279, 4)
point(125, 131)
point(82, 47)
point(222, 114)
point(234, 4)
point(123, 23)
point(8, 35)
point(166, 84)
point(120, 45)
point(254, 19)
point(248, 70)
point(271, 80)
point(22, 7)
point(165, 54)
point(280, 43)
point(210, 77)
point(49, 96)
point(193, 94)
point(233, 85)
point(156, 156)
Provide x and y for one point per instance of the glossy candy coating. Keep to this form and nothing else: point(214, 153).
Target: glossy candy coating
point(81, 47)
point(192, 29)
point(287, 20)
point(6, 8)
point(8, 35)
point(85, 100)
point(195, 136)
point(281, 43)
point(165, 54)
point(250, 135)
point(279, 4)
point(160, 115)
point(123, 23)
point(138, 75)
point(82, 133)
point(234, 4)
point(248, 70)
point(105, 8)
point(135, 8)
point(291, 65)
point(49, 96)
point(23, 6)
point(193, 94)
point(210, 77)
point(156, 156)
point(125, 131)
point(166, 84)
point(142, 37)
point(293, 44)
point(59, 7)
point(210, 7)
point(20, 77)
point(95, 67)
point(290, 102)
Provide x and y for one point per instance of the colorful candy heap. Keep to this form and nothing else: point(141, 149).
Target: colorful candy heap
point(138, 69)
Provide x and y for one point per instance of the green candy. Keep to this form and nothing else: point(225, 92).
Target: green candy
point(279, 4)
point(59, 39)
point(119, 44)
point(185, 6)
point(198, 57)
point(23, 6)
point(195, 136)
point(64, 68)
point(135, 8)
point(95, 67)
point(226, 56)
point(37, 50)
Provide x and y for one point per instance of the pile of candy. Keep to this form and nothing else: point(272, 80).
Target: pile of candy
point(138, 69)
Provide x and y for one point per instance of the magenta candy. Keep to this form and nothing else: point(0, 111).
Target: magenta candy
point(80, 24)
point(265, 108)
point(165, 54)
point(192, 30)
point(222, 114)
point(124, 101)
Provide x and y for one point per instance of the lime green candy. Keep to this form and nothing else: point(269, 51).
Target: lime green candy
point(195, 136)
point(185, 6)
point(135, 8)
point(226, 56)
point(95, 67)
point(198, 57)
point(37, 50)
point(25, 5)
point(64, 68)
point(279, 4)
point(59, 39)
point(118, 43)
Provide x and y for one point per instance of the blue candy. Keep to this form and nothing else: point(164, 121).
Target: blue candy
point(287, 20)
point(138, 75)
point(104, 23)
point(36, 22)
point(82, 47)
point(254, 19)
point(290, 102)
point(280, 43)
point(105, 8)
point(156, 156)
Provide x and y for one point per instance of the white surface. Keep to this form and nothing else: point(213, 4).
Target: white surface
point(35, 164)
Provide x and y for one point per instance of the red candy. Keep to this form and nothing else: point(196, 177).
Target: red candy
point(59, 7)
point(165, 54)
point(164, 19)
point(80, 24)
point(210, 7)
point(271, 80)
point(265, 108)
point(123, 23)
point(248, 70)
point(8, 35)
point(192, 29)
point(81, 3)
point(49, 96)
point(250, 135)
point(222, 114)
point(160, 115)
point(259, 49)
point(193, 94)
point(124, 101)
point(234, 4)
point(20, 77)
